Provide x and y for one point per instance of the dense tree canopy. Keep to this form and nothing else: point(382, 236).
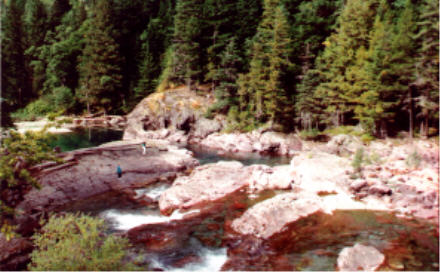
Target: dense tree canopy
point(282, 63)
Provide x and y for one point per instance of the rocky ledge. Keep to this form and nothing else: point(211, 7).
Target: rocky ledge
point(317, 178)
point(271, 216)
point(89, 172)
point(213, 182)
point(177, 116)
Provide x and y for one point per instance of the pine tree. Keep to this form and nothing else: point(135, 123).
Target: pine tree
point(427, 64)
point(16, 88)
point(147, 68)
point(154, 40)
point(184, 66)
point(100, 63)
point(57, 11)
point(35, 20)
point(355, 24)
point(402, 63)
point(263, 86)
point(311, 23)
point(226, 76)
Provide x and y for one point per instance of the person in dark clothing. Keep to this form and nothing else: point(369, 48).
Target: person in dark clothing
point(119, 171)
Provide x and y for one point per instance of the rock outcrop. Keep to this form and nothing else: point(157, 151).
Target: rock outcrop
point(213, 182)
point(92, 171)
point(175, 115)
point(14, 254)
point(270, 216)
point(320, 172)
point(343, 145)
point(265, 143)
point(360, 257)
point(206, 183)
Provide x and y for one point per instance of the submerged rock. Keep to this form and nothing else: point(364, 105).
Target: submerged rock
point(270, 216)
point(360, 257)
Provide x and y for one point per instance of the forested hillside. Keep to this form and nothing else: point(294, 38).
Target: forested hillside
point(285, 64)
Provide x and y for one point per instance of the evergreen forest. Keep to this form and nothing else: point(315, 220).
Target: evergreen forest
point(285, 64)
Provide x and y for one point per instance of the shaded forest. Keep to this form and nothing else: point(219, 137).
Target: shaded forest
point(284, 64)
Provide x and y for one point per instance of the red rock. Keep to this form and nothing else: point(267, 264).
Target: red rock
point(14, 254)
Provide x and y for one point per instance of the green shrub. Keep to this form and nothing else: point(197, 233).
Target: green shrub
point(367, 138)
point(65, 120)
point(310, 134)
point(37, 108)
point(62, 97)
point(358, 160)
point(78, 242)
point(348, 130)
point(413, 160)
point(375, 158)
point(18, 153)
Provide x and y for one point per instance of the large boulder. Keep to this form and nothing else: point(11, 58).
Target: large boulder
point(320, 172)
point(203, 127)
point(206, 183)
point(343, 144)
point(232, 142)
point(360, 257)
point(279, 143)
point(177, 109)
point(255, 141)
point(263, 177)
point(271, 216)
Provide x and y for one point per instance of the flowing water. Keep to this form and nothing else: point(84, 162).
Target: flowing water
point(203, 239)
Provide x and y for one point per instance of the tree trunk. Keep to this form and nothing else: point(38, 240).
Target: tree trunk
point(425, 122)
point(88, 104)
point(411, 114)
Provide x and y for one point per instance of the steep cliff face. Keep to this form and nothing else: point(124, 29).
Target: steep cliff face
point(173, 112)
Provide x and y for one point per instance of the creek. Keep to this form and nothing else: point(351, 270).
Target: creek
point(203, 239)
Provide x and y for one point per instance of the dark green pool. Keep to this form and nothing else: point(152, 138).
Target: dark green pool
point(84, 137)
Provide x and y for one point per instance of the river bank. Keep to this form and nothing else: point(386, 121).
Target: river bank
point(229, 203)
point(197, 192)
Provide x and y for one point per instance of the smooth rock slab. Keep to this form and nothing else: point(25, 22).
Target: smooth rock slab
point(360, 257)
point(212, 182)
point(270, 216)
point(94, 172)
point(205, 184)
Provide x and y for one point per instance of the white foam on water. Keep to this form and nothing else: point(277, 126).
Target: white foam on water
point(153, 192)
point(211, 260)
point(125, 220)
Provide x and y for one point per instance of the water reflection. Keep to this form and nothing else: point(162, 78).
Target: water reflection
point(83, 138)
point(205, 156)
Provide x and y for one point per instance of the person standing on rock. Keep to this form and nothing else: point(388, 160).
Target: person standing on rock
point(119, 171)
point(144, 148)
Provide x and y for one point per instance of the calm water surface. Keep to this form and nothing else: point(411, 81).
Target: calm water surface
point(84, 137)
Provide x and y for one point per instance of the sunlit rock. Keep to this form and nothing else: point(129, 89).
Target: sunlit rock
point(360, 257)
